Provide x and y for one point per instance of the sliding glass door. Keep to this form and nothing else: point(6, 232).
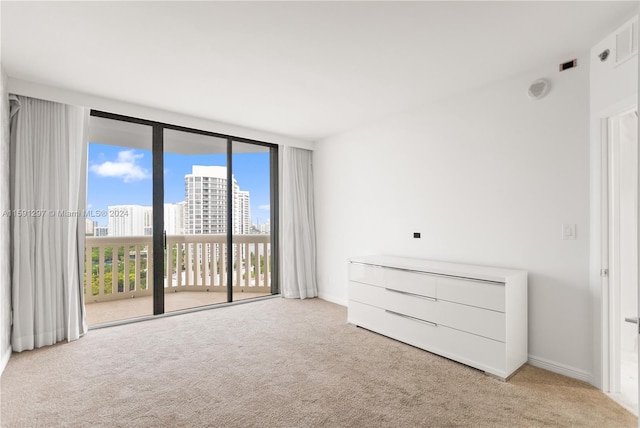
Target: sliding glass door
point(209, 216)
point(118, 245)
point(195, 219)
point(217, 217)
point(252, 246)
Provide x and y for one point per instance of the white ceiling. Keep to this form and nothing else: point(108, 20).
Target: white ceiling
point(303, 69)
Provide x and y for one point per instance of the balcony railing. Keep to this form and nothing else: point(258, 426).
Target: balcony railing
point(122, 267)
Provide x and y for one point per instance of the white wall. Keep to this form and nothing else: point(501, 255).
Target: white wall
point(612, 90)
point(487, 177)
point(5, 278)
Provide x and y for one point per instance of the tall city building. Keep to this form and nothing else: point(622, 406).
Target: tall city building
point(89, 226)
point(241, 213)
point(206, 202)
point(101, 231)
point(129, 220)
point(148, 221)
point(173, 215)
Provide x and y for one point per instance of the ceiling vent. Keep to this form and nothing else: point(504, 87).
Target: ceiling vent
point(627, 43)
point(569, 64)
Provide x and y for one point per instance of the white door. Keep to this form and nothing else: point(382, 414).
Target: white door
point(623, 258)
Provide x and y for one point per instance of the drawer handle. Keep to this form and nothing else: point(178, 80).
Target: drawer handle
point(406, 293)
point(432, 324)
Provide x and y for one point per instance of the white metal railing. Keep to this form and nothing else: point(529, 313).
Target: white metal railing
point(122, 267)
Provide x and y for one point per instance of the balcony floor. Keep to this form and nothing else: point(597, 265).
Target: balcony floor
point(142, 306)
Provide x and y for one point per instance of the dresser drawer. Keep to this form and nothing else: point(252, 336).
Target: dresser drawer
point(398, 301)
point(396, 279)
point(480, 352)
point(478, 321)
point(413, 332)
point(482, 294)
point(411, 282)
point(367, 274)
point(482, 322)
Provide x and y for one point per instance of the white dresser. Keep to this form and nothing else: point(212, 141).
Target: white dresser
point(476, 315)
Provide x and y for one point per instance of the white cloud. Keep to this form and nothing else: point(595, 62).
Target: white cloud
point(266, 207)
point(124, 167)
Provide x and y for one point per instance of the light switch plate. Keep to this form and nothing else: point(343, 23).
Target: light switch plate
point(568, 232)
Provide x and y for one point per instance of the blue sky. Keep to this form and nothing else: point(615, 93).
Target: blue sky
point(122, 176)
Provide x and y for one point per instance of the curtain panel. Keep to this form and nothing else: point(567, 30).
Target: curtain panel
point(48, 193)
point(298, 238)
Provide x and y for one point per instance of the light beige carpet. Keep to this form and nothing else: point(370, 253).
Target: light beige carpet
point(278, 363)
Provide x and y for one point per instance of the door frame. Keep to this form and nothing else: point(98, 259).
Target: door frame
point(158, 201)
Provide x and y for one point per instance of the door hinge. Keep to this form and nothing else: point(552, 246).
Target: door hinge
point(604, 273)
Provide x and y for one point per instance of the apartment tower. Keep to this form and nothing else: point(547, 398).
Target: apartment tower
point(205, 202)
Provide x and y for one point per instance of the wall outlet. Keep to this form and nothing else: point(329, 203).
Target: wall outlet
point(416, 234)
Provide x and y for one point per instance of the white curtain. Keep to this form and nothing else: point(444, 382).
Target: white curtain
point(48, 186)
point(298, 243)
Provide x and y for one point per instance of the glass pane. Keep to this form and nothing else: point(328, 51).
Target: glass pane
point(251, 220)
point(119, 215)
point(195, 196)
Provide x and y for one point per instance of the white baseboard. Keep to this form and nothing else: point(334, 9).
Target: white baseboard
point(562, 369)
point(5, 358)
point(333, 299)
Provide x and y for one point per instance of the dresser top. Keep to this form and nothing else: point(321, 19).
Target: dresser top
point(487, 273)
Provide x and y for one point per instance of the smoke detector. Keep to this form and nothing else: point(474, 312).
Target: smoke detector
point(538, 89)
